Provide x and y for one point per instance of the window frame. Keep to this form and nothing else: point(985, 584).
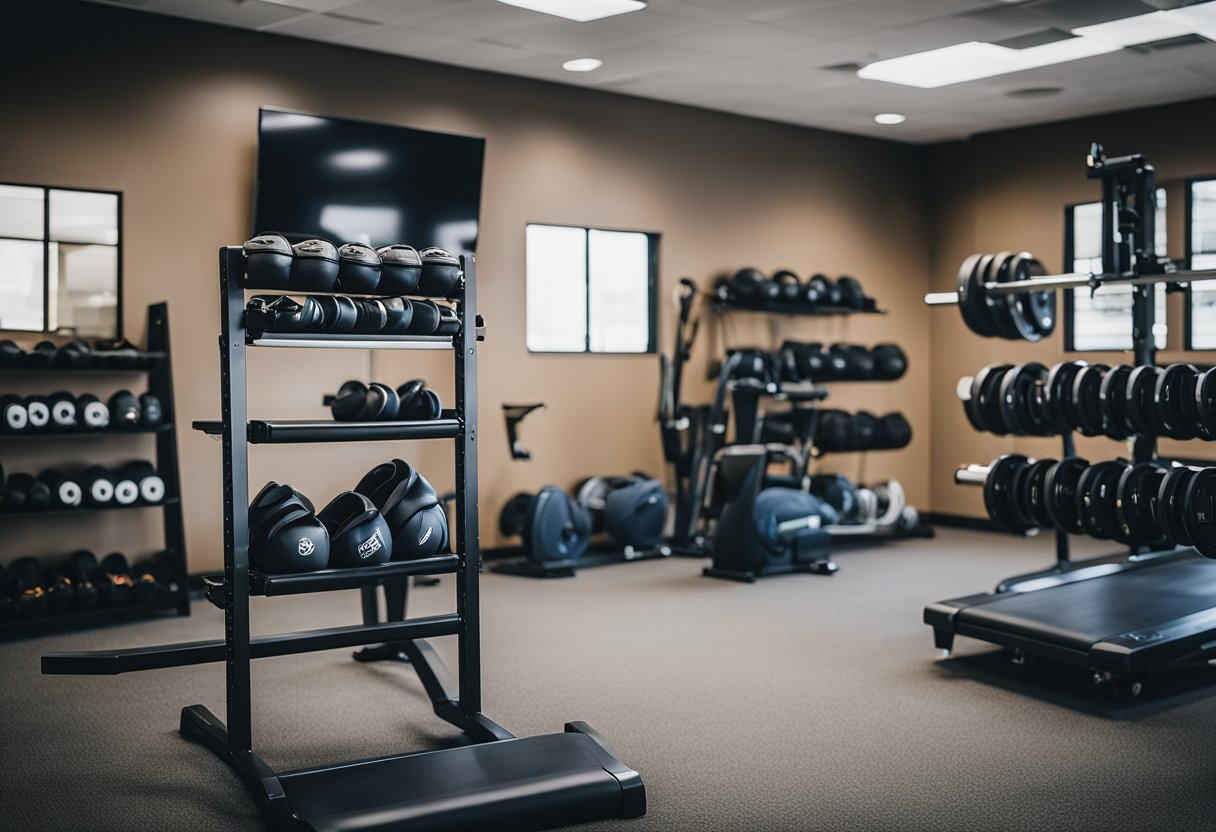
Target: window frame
point(652, 289)
point(1188, 213)
point(46, 255)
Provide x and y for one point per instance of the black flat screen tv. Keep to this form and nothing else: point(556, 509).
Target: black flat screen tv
point(350, 181)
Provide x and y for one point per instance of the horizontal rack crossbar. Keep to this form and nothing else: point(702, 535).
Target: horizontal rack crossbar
point(1077, 280)
point(353, 342)
point(334, 579)
point(129, 660)
point(263, 432)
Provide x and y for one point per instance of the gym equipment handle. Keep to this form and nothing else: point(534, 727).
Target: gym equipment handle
point(971, 475)
point(1076, 280)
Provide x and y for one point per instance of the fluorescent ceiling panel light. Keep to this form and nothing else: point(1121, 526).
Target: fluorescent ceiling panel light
point(974, 60)
point(890, 118)
point(1143, 28)
point(579, 10)
point(582, 65)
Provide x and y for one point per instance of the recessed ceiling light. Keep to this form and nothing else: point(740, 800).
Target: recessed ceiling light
point(579, 10)
point(890, 118)
point(582, 65)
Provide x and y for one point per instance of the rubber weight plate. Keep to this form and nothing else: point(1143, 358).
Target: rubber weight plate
point(1057, 395)
point(1061, 485)
point(980, 302)
point(1205, 404)
point(1136, 504)
point(1174, 397)
point(986, 393)
point(1039, 308)
point(968, 300)
point(1200, 505)
point(1022, 326)
point(1033, 492)
point(1087, 399)
point(971, 405)
point(995, 305)
point(1141, 407)
point(1096, 498)
point(1171, 503)
point(1112, 398)
point(1020, 400)
point(1000, 494)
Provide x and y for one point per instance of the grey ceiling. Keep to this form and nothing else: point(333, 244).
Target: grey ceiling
point(786, 60)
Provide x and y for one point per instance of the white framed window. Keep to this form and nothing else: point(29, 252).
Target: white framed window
point(1201, 254)
point(590, 290)
point(1103, 321)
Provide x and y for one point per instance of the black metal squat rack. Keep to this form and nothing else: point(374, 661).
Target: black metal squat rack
point(157, 365)
point(523, 783)
point(1120, 615)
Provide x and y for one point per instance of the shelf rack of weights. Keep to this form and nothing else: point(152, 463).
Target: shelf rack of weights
point(157, 365)
point(572, 777)
point(802, 396)
point(1127, 656)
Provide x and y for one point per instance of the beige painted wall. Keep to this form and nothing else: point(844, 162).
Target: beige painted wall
point(165, 111)
point(1008, 190)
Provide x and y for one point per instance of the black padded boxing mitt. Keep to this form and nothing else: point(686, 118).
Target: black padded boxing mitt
point(284, 532)
point(358, 533)
point(440, 272)
point(315, 268)
point(268, 261)
point(400, 269)
point(358, 269)
point(411, 508)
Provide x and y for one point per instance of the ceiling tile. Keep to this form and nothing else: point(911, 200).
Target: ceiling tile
point(478, 54)
point(856, 18)
point(400, 40)
point(313, 5)
point(567, 37)
point(250, 14)
point(743, 38)
point(401, 11)
point(319, 27)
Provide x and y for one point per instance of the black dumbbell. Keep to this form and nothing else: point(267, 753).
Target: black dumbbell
point(75, 354)
point(890, 362)
point(894, 432)
point(851, 294)
point(11, 355)
point(151, 414)
point(92, 413)
point(65, 491)
point(126, 487)
point(112, 589)
point(124, 409)
point(87, 594)
point(97, 485)
point(859, 363)
point(42, 355)
point(63, 410)
point(144, 586)
point(149, 484)
point(39, 410)
point(24, 493)
point(23, 585)
point(14, 415)
point(60, 592)
point(867, 431)
point(791, 289)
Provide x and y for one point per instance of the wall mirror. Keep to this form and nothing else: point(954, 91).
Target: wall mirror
point(60, 261)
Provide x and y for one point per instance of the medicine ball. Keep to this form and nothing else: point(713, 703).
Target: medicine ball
point(893, 432)
point(867, 431)
point(890, 362)
point(835, 431)
point(751, 284)
point(839, 493)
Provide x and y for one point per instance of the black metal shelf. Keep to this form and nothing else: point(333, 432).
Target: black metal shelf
point(85, 434)
point(76, 619)
point(146, 362)
point(316, 340)
point(327, 580)
point(286, 432)
point(780, 308)
point(83, 510)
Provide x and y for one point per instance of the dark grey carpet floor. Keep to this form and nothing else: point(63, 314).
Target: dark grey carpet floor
point(797, 703)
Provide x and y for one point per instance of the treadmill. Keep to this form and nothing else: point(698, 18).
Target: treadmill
point(1127, 616)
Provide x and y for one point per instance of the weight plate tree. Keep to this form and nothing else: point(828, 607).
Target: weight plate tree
point(567, 778)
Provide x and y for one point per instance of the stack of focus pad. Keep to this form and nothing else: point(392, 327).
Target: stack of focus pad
point(751, 287)
point(271, 262)
point(392, 514)
point(814, 362)
point(376, 402)
point(339, 314)
point(1026, 316)
point(1178, 401)
point(1146, 504)
point(94, 487)
point(80, 582)
point(117, 354)
point(838, 431)
point(64, 412)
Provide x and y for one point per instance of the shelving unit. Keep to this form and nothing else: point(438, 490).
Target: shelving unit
point(521, 783)
point(156, 364)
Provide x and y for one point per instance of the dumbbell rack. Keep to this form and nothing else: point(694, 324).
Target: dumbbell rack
point(572, 777)
point(157, 364)
point(1122, 616)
